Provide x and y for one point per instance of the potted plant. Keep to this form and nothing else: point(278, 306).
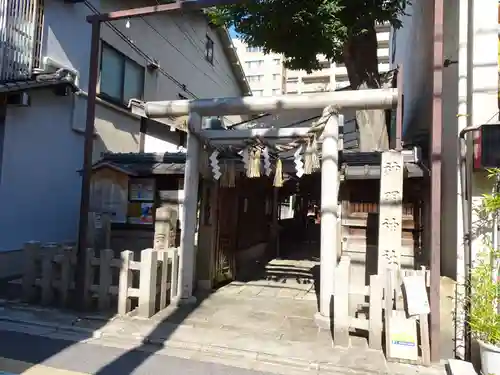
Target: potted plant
point(484, 299)
point(484, 319)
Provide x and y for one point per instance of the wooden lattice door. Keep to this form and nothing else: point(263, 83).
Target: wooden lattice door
point(224, 262)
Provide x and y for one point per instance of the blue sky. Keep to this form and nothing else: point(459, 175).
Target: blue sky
point(233, 33)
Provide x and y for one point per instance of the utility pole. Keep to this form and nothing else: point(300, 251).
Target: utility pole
point(95, 21)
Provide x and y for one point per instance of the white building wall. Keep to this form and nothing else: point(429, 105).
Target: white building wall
point(176, 41)
point(265, 72)
point(412, 47)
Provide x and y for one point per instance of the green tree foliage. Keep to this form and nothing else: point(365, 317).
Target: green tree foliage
point(342, 30)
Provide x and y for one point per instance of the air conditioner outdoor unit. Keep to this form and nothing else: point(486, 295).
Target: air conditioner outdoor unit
point(487, 146)
point(19, 99)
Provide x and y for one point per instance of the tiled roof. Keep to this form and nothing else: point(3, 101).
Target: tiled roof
point(61, 77)
point(143, 164)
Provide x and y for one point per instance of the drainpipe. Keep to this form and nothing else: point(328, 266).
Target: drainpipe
point(465, 175)
point(462, 204)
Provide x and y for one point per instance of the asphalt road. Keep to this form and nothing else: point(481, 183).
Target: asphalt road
point(22, 353)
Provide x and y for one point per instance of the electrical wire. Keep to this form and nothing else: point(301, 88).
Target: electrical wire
point(202, 51)
point(148, 58)
point(138, 50)
point(182, 54)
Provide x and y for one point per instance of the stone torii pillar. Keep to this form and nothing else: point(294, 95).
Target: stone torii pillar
point(189, 212)
point(329, 216)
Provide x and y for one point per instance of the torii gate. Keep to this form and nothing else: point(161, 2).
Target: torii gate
point(331, 102)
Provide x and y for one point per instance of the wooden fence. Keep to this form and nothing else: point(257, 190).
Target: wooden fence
point(149, 283)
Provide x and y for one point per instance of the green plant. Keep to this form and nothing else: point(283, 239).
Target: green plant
point(484, 299)
point(484, 319)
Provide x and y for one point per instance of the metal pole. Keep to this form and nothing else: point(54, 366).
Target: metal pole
point(398, 145)
point(467, 231)
point(463, 84)
point(436, 163)
point(87, 162)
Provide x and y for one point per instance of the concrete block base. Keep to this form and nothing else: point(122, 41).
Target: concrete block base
point(186, 301)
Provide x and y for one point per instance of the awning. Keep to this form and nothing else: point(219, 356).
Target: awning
point(143, 164)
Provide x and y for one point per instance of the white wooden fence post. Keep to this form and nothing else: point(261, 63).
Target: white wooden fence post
point(174, 278)
point(125, 282)
point(147, 283)
point(105, 278)
point(164, 284)
point(31, 252)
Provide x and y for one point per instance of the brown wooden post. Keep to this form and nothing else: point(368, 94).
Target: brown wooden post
point(436, 163)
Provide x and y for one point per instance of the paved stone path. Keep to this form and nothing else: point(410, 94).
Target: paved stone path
point(267, 319)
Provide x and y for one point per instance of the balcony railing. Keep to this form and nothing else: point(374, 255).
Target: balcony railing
point(21, 25)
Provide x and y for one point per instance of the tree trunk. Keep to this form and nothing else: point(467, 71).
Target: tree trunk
point(361, 61)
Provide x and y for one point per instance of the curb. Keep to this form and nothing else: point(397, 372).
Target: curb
point(295, 365)
point(56, 327)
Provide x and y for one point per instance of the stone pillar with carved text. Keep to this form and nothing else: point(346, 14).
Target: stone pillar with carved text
point(390, 210)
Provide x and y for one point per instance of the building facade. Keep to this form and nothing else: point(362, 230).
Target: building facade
point(469, 98)
point(265, 72)
point(44, 83)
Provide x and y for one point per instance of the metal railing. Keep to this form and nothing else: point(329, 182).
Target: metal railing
point(21, 25)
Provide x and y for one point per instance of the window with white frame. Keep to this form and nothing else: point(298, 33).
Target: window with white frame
point(257, 92)
point(209, 50)
point(254, 49)
point(254, 64)
point(276, 91)
point(121, 78)
point(255, 78)
point(276, 77)
point(276, 61)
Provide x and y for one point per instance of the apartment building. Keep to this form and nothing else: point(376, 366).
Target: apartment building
point(43, 79)
point(264, 72)
point(333, 76)
point(267, 75)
